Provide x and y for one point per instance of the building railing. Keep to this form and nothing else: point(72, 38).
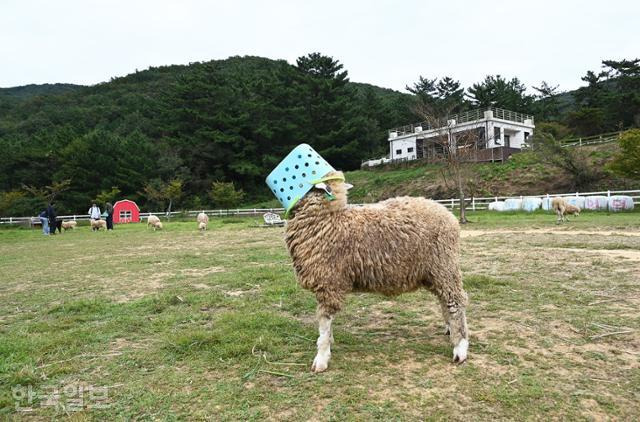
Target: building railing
point(473, 204)
point(464, 117)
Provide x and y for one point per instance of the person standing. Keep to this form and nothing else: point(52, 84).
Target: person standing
point(109, 209)
point(44, 220)
point(94, 213)
point(51, 213)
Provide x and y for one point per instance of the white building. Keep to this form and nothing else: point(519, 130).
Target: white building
point(498, 134)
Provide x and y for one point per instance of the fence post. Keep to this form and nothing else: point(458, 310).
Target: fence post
point(451, 204)
point(608, 199)
point(473, 203)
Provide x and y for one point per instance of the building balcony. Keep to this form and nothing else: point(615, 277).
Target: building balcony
point(471, 116)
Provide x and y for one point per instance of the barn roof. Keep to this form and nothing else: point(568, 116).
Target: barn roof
point(128, 201)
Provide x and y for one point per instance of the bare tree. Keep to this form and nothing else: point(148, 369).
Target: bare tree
point(454, 148)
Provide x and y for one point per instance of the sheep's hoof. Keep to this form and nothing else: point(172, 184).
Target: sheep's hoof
point(460, 351)
point(319, 365)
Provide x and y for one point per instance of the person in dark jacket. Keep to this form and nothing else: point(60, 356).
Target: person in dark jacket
point(109, 210)
point(51, 214)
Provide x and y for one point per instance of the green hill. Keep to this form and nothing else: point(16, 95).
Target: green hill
point(32, 90)
point(226, 120)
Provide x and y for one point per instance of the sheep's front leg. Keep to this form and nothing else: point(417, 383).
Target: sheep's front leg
point(453, 304)
point(321, 361)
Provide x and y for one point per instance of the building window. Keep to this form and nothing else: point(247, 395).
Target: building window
point(125, 215)
point(409, 149)
point(496, 135)
point(526, 135)
point(398, 152)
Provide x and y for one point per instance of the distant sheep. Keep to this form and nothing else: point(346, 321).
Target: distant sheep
point(203, 220)
point(153, 221)
point(563, 208)
point(67, 225)
point(393, 247)
point(96, 225)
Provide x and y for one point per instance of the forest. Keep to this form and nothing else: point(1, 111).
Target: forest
point(182, 134)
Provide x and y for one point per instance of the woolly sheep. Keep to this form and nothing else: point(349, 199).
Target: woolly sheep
point(562, 208)
point(203, 220)
point(396, 246)
point(98, 224)
point(152, 220)
point(66, 225)
point(157, 226)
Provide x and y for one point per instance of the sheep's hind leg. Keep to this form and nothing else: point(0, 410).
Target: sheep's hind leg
point(325, 339)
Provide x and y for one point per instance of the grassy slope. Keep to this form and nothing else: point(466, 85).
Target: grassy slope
point(183, 325)
point(523, 174)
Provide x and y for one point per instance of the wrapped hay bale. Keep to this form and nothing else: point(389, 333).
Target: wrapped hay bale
point(496, 206)
point(596, 203)
point(620, 203)
point(513, 204)
point(531, 204)
point(546, 204)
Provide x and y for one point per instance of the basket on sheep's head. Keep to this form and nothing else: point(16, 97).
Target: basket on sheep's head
point(294, 177)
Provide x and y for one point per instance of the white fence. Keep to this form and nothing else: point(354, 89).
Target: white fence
point(473, 204)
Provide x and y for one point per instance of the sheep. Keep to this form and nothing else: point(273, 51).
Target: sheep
point(66, 225)
point(562, 208)
point(157, 226)
point(396, 246)
point(152, 220)
point(97, 224)
point(203, 220)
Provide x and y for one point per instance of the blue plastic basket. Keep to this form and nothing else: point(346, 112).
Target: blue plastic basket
point(296, 175)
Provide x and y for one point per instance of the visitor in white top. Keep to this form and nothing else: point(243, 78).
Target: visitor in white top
point(94, 212)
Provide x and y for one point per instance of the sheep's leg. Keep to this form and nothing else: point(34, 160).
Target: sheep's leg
point(445, 316)
point(459, 332)
point(453, 301)
point(325, 339)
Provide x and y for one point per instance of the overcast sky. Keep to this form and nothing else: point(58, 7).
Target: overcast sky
point(386, 43)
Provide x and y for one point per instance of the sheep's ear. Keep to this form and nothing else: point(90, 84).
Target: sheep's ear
point(348, 186)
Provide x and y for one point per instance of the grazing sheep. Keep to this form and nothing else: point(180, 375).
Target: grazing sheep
point(152, 220)
point(203, 220)
point(396, 246)
point(562, 208)
point(96, 225)
point(157, 226)
point(66, 225)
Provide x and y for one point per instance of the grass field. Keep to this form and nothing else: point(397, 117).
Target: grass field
point(175, 324)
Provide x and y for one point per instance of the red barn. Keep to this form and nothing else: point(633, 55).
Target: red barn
point(126, 211)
